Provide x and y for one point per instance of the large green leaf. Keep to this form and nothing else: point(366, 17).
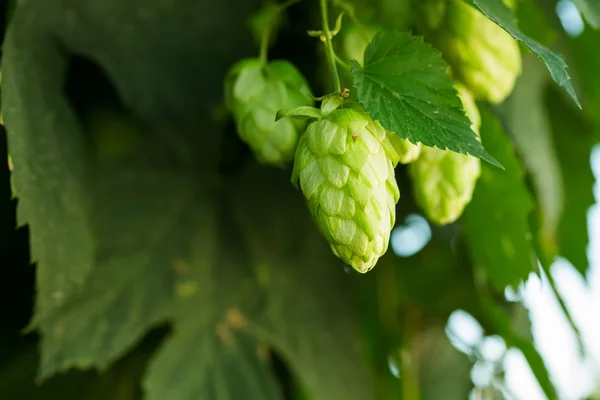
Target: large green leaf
point(528, 124)
point(135, 43)
point(404, 84)
point(574, 140)
point(590, 10)
point(140, 215)
point(498, 12)
point(498, 231)
point(54, 191)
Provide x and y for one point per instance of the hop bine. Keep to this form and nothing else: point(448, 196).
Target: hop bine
point(344, 165)
point(254, 92)
point(443, 180)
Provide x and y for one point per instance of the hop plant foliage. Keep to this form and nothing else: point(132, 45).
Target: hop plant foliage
point(254, 92)
point(344, 165)
point(444, 181)
point(482, 55)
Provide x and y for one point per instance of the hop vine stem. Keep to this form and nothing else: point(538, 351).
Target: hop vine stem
point(329, 48)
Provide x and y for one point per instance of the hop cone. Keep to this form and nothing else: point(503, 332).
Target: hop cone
point(345, 166)
point(482, 55)
point(443, 180)
point(254, 92)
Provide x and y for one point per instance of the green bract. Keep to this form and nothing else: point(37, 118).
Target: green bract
point(482, 55)
point(344, 164)
point(254, 92)
point(443, 180)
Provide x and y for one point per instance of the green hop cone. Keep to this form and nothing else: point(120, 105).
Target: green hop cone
point(443, 180)
point(254, 92)
point(344, 164)
point(482, 55)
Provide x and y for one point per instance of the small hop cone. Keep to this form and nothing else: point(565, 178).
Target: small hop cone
point(407, 152)
point(344, 164)
point(482, 55)
point(254, 92)
point(443, 180)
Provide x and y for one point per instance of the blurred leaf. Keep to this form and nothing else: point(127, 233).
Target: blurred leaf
point(55, 190)
point(120, 382)
point(404, 85)
point(197, 363)
point(528, 124)
point(533, 22)
point(590, 10)
point(138, 217)
point(574, 141)
point(498, 12)
point(587, 60)
point(498, 231)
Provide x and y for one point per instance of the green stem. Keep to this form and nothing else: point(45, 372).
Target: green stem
point(342, 63)
point(329, 48)
point(264, 44)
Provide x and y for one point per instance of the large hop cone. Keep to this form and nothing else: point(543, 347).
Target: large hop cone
point(482, 55)
point(443, 180)
point(345, 167)
point(254, 92)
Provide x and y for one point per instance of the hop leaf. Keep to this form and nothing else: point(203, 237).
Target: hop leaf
point(344, 164)
point(482, 55)
point(444, 181)
point(254, 92)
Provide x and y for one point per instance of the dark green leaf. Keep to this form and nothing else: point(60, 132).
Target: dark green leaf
point(404, 85)
point(138, 219)
point(498, 231)
point(528, 124)
point(51, 171)
point(197, 363)
point(574, 140)
point(590, 10)
point(498, 12)
point(587, 60)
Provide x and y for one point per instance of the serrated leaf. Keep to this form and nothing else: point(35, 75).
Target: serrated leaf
point(404, 85)
point(52, 175)
point(498, 233)
point(527, 122)
point(574, 140)
point(54, 190)
point(590, 10)
point(498, 12)
point(131, 288)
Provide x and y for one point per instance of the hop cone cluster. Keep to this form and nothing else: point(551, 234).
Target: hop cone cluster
point(344, 164)
point(443, 180)
point(254, 92)
point(482, 55)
